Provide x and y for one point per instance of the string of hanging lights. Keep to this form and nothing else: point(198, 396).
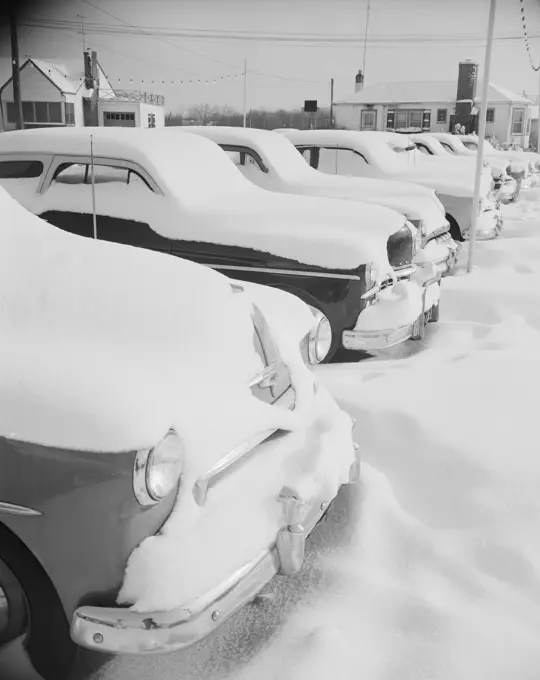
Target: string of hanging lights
point(526, 36)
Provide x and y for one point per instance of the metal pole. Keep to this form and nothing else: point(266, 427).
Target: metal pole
point(538, 121)
point(482, 110)
point(245, 91)
point(15, 70)
point(365, 42)
point(331, 102)
point(94, 218)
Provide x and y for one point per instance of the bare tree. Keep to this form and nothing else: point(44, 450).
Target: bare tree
point(203, 114)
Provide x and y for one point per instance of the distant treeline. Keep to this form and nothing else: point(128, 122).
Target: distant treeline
point(256, 118)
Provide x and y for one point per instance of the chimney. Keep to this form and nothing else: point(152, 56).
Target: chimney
point(466, 92)
point(358, 81)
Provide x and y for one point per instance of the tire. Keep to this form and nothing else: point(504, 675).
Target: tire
point(14, 612)
point(455, 231)
point(35, 609)
point(419, 330)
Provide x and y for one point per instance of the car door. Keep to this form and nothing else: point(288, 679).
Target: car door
point(341, 161)
point(124, 199)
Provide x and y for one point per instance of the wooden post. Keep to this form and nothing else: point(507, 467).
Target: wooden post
point(15, 70)
point(331, 102)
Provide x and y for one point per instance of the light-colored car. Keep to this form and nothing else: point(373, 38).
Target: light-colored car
point(505, 186)
point(390, 156)
point(181, 194)
point(520, 161)
point(516, 165)
point(274, 164)
point(153, 416)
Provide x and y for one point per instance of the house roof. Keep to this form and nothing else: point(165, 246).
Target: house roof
point(425, 91)
point(66, 74)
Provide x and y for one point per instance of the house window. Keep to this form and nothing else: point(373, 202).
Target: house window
point(368, 119)
point(69, 111)
point(28, 112)
point(442, 115)
point(405, 118)
point(490, 115)
point(36, 112)
point(518, 119)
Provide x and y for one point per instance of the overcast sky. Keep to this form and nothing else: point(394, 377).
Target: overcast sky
point(277, 71)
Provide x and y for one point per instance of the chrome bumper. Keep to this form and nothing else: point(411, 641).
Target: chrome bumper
point(122, 631)
point(390, 337)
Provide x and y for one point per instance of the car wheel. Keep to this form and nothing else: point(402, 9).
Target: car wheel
point(13, 610)
point(419, 328)
point(455, 231)
point(30, 609)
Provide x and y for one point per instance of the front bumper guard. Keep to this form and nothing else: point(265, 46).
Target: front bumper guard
point(367, 341)
point(119, 630)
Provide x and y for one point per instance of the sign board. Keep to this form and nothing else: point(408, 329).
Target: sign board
point(310, 106)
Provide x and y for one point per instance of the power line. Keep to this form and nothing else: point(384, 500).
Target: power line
point(158, 33)
point(524, 26)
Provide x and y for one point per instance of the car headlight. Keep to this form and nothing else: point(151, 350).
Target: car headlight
point(320, 337)
point(416, 237)
point(157, 470)
point(372, 275)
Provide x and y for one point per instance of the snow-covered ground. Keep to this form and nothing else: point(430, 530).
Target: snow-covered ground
point(430, 569)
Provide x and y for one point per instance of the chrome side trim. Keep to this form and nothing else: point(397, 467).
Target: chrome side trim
point(13, 509)
point(200, 488)
point(403, 273)
point(289, 272)
point(266, 377)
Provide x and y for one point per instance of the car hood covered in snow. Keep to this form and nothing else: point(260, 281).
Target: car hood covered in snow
point(106, 347)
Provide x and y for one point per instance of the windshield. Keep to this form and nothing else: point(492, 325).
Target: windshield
point(282, 156)
point(447, 147)
point(470, 145)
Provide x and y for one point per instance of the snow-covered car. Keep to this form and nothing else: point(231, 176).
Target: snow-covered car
point(521, 168)
point(506, 187)
point(181, 194)
point(164, 449)
point(273, 163)
point(390, 156)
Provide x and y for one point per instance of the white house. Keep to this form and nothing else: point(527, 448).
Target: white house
point(433, 105)
point(73, 93)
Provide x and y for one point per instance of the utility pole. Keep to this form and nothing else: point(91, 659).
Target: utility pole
point(15, 70)
point(482, 111)
point(82, 18)
point(331, 102)
point(245, 91)
point(365, 39)
point(538, 121)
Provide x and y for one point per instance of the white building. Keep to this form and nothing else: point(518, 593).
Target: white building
point(431, 105)
point(73, 93)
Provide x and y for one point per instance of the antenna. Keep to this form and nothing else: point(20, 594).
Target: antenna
point(82, 17)
point(366, 39)
point(94, 219)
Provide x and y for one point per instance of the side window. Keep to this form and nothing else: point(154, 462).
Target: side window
point(123, 204)
point(21, 178)
point(341, 162)
point(20, 169)
point(247, 164)
point(423, 148)
point(447, 147)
